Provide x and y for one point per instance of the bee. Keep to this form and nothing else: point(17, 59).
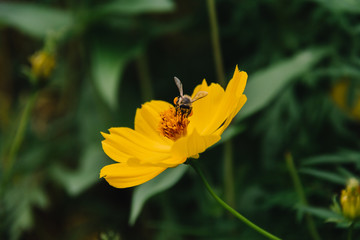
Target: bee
point(183, 103)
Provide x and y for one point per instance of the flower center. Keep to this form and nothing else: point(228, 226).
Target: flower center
point(173, 124)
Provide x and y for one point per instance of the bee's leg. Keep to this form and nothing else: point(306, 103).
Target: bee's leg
point(190, 112)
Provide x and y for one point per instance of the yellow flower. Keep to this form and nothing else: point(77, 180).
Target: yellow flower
point(164, 138)
point(42, 64)
point(340, 93)
point(350, 200)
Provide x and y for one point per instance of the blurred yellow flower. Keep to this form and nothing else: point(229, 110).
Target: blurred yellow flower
point(350, 200)
point(42, 64)
point(163, 138)
point(340, 93)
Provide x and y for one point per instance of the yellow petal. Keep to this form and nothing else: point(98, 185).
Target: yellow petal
point(121, 175)
point(204, 109)
point(114, 153)
point(170, 161)
point(139, 139)
point(236, 86)
point(174, 161)
point(193, 144)
point(124, 143)
point(147, 119)
point(221, 108)
point(241, 103)
point(233, 93)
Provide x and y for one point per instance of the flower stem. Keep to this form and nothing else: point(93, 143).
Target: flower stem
point(19, 135)
point(300, 191)
point(194, 164)
point(350, 231)
point(229, 187)
point(144, 77)
point(218, 60)
point(216, 42)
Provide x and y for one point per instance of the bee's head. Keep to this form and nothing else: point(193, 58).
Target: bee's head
point(182, 101)
point(185, 101)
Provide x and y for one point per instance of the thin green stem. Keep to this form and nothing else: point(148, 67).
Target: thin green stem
point(194, 164)
point(216, 42)
point(19, 135)
point(218, 60)
point(350, 231)
point(229, 173)
point(300, 192)
point(144, 77)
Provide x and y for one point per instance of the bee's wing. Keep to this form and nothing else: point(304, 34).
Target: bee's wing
point(179, 86)
point(198, 95)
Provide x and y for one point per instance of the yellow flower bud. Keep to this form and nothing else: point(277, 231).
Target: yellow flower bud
point(340, 93)
point(350, 200)
point(42, 64)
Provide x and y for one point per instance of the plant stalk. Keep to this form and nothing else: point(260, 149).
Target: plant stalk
point(216, 42)
point(218, 60)
point(350, 231)
point(229, 173)
point(19, 136)
point(144, 77)
point(300, 192)
point(194, 164)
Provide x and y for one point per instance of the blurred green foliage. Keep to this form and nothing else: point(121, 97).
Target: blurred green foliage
point(113, 55)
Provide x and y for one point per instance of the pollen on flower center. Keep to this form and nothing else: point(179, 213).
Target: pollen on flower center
point(173, 124)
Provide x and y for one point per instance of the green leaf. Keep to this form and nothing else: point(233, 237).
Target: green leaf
point(325, 159)
point(145, 191)
point(343, 157)
point(351, 6)
point(329, 176)
point(75, 182)
point(109, 59)
point(33, 19)
point(18, 203)
point(265, 85)
point(321, 212)
point(136, 6)
point(344, 172)
point(335, 207)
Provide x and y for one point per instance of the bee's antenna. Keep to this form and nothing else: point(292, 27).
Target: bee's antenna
point(179, 86)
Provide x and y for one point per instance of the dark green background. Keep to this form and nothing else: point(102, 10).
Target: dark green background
point(293, 51)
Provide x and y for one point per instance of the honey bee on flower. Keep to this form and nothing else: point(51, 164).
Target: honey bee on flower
point(165, 135)
point(174, 121)
point(183, 102)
